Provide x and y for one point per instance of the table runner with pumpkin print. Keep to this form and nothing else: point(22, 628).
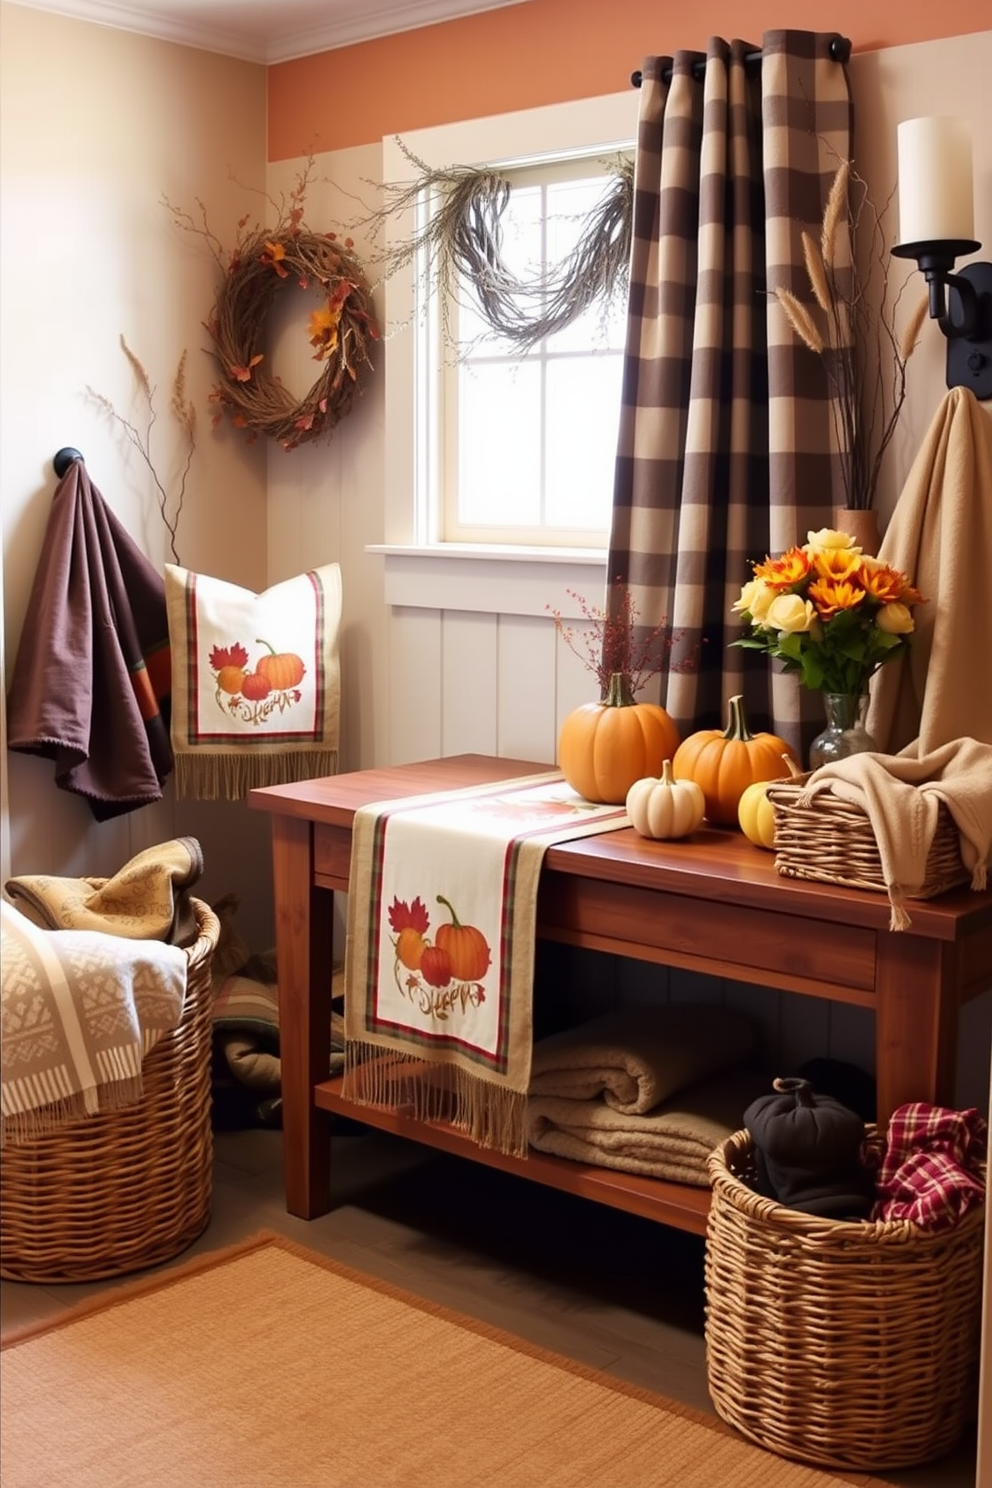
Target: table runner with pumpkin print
point(439, 957)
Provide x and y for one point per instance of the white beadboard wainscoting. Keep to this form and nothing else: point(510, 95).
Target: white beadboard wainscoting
point(476, 666)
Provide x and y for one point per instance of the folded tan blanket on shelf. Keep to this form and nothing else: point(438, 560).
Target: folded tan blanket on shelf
point(635, 1057)
point(79, 1010)
point(901, 795)
point(671, 1142)
point(147, 899)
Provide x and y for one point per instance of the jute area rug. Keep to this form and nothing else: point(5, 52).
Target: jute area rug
point(267, 1366)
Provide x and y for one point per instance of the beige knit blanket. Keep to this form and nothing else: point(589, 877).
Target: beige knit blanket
point(672, 1141)
point(79, 1010)
point(901, 796)
point(636, 1057)
point(940, 535)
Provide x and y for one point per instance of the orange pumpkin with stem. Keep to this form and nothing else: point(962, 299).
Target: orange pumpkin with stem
point(282, 670)
point(603, 748)
point(466, 947)
point(724, 762)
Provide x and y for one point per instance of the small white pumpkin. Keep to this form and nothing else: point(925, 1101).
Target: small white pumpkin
point(665, 807)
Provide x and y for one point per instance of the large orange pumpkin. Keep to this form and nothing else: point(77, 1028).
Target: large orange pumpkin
point(724, 762)
point(604, 747)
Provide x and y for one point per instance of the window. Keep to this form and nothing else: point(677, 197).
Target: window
point(528, 442)
point(492, 452)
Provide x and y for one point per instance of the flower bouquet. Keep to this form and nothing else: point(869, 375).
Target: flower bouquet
point(828, 612)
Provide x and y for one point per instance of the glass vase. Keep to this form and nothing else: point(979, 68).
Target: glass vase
point(845, 733)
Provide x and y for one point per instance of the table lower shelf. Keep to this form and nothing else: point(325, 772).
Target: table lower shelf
point(675, 1204)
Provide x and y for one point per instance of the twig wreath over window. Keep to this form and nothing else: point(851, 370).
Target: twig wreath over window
point(462, 238)
point(265, 261)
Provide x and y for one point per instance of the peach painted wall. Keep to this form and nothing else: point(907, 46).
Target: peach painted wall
point(545, 51)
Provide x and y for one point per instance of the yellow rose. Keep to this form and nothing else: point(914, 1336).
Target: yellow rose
point(790, 613)
point(895, 619)
point(755, 598)
point(829, 541)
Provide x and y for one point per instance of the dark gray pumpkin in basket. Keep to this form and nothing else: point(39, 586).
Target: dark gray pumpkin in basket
point(807, 1150)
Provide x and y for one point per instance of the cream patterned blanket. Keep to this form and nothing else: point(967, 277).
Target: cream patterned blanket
point(79, 1012)
point(439, 957)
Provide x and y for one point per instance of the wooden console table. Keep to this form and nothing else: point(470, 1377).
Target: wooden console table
point(713, 903)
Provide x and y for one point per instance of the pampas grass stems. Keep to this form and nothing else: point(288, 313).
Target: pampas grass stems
point(857, 337)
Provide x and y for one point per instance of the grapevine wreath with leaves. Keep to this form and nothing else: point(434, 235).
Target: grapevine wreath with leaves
point(264, 262)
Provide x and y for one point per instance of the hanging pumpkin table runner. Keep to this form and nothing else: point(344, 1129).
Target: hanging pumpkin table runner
point(439, 957)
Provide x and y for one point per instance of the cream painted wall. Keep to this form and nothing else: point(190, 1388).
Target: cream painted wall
point(98, 126)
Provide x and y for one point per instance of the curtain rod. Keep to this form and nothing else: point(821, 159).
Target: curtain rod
point(839, 49)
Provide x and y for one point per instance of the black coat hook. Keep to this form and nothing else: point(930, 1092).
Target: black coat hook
point(64, 458)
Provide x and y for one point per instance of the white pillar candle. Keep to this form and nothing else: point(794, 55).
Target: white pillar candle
point(936, 199)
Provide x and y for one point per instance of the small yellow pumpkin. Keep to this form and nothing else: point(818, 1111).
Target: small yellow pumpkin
point(604, 747)
point(724, 762)
point(665, 807)
point(756, 813)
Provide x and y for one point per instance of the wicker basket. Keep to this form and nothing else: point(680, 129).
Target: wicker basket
point(844, 1344)
point(834, 841)
point(123, 1189)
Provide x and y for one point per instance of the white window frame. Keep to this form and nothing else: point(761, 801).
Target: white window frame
point(420, 570)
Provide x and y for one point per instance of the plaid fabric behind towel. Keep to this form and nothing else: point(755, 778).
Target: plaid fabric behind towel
point(932, 1172)
point(725, 418)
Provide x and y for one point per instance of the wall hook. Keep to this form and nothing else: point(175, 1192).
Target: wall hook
point(64, 458)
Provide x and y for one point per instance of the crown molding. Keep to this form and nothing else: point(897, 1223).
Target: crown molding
point(366, 22)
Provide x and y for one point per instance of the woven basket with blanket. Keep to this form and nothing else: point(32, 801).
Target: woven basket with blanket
point(107, 1163)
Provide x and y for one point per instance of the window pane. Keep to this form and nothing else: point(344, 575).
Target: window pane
point(570, 204)
point(583, 414)
point(499, 445)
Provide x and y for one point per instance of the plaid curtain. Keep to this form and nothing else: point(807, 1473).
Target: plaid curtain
point(725, 445)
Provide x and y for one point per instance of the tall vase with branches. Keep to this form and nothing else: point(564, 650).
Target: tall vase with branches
point(850, 322)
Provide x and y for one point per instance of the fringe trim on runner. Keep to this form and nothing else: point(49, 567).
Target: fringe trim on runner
point(491, 1115)
point(19, 1127)
point(212, 777)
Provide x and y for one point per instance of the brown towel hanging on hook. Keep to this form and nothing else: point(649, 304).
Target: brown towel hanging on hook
point(93, 674)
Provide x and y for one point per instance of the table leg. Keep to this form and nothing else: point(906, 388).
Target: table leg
point(304, 929)
point(916, 1021)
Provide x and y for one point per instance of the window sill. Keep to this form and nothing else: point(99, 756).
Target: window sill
point(492, 580)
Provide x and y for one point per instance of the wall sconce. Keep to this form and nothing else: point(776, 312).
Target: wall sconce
point(937, 226)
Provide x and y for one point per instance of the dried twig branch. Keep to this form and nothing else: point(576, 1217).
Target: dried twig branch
point(460, 243)
point(185, 414)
